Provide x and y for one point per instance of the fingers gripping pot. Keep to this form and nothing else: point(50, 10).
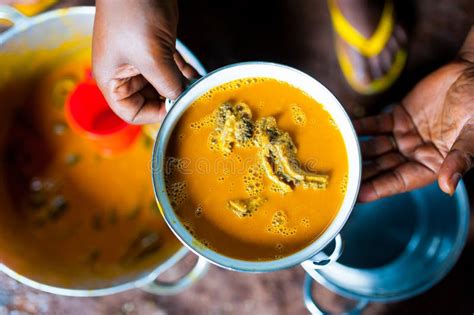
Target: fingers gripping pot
point(312, 255)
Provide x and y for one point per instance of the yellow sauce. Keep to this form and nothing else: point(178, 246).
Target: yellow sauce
point(202, 180)
point(77, 219)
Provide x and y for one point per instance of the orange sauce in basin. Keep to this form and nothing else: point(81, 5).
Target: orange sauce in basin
point(77, 219)
point(201, 181)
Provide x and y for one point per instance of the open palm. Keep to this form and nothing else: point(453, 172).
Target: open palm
point(429, 135)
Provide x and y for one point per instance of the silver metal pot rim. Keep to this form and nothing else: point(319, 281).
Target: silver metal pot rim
point(461, 198)
point(23, 23)
point(136, 284)
point(307, 254)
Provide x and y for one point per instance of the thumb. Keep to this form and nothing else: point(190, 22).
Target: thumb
point(165, 76)
point(459, 159)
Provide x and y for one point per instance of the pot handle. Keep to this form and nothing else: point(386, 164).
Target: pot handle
point(169, 288)
point(11, 15)
point(321, 260)
point(169, 103)
point(315, 309)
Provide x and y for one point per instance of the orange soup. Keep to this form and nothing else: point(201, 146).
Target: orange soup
point(256, 169)
point(77, 219)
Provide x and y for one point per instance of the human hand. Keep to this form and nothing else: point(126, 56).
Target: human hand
point(135, 62)
point(429, 135)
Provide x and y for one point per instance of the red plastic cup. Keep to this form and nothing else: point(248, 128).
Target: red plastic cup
point(88, 113)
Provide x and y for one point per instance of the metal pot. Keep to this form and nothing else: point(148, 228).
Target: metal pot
point(312, 256)
point(396, 248)
point(21, 46)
